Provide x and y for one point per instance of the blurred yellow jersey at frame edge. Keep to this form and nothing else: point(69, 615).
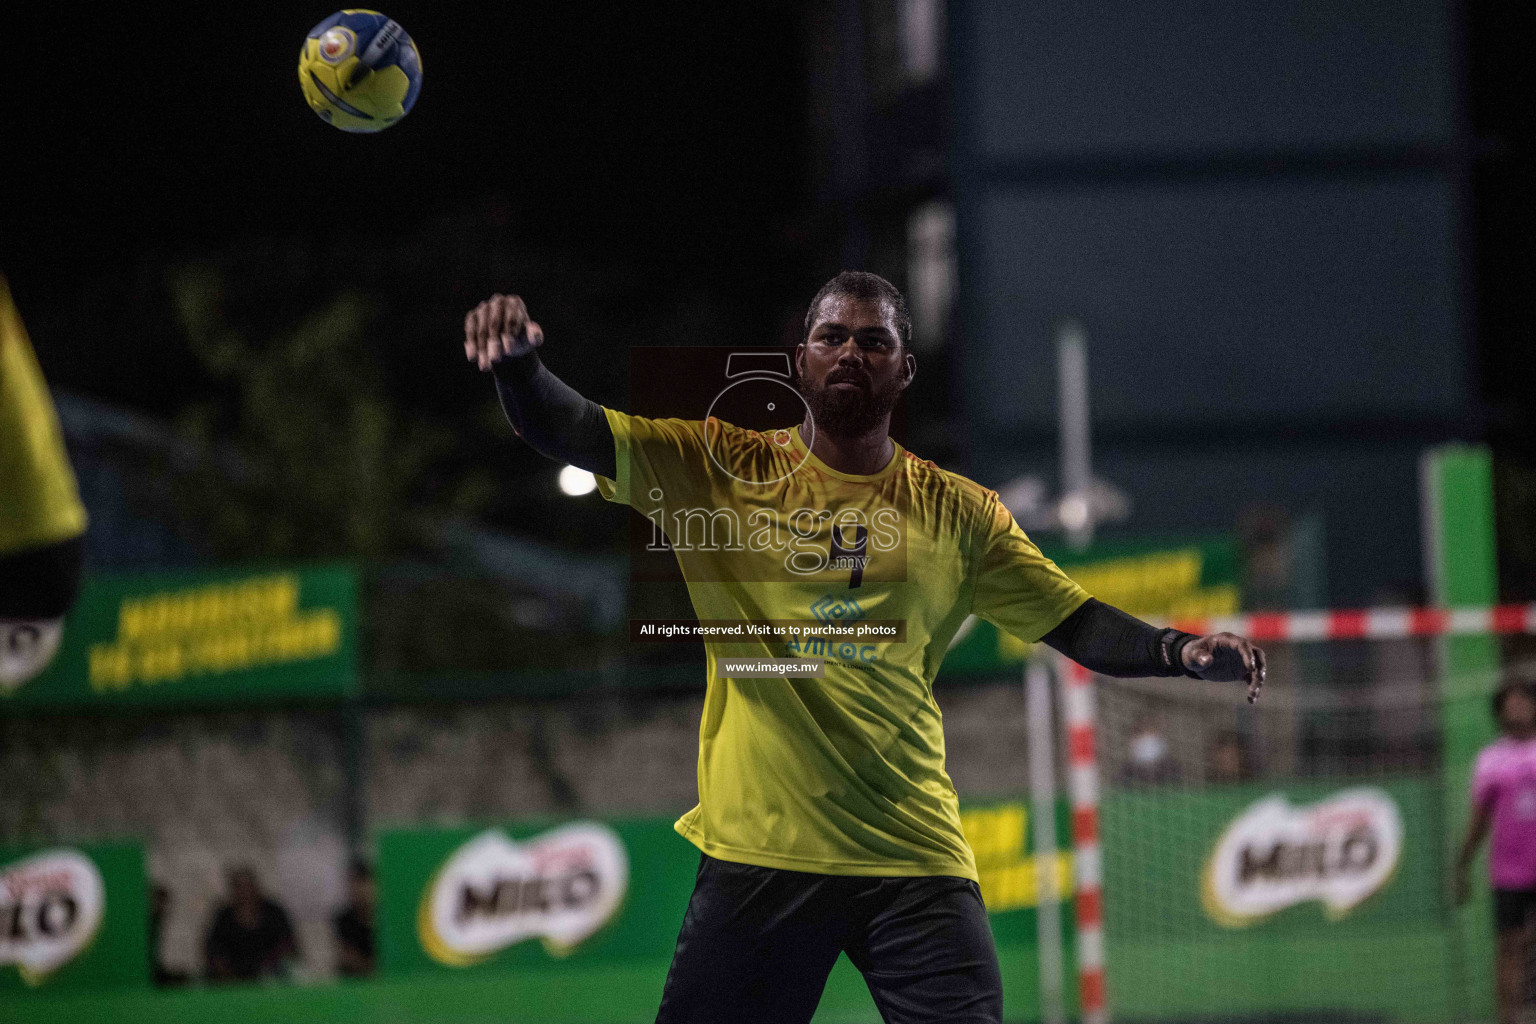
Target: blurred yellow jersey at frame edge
point(39, 500)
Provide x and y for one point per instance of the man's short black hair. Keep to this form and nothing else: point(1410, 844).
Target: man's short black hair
point(861, 284)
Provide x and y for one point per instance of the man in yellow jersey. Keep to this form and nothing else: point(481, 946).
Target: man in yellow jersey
point(41, 517)
point(826, 821)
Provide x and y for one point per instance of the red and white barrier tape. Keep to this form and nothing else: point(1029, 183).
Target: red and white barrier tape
point(1369, 623)
point(1083, 792)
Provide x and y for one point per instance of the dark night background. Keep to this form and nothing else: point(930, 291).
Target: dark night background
point(664, 149)
point(640, 174)
point(643, 174)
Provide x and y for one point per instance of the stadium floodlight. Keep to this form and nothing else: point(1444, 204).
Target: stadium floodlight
point(1086, 500)
point(576, 482)
point(1028, 498)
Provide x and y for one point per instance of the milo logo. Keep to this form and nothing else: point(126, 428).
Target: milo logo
point(1337, 851)
point(492, 892)
point(51, 906)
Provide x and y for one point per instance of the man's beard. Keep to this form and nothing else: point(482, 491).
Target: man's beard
point(847, 413)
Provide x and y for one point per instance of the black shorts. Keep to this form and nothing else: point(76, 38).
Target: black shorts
point(1512, 908)
point(758, 943)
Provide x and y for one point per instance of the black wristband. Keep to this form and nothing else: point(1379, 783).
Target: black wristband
point(1170, 651)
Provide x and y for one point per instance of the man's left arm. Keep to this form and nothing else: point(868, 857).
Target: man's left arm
point(1106, 640)
point(1022, 591)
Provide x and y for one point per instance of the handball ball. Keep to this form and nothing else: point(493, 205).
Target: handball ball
point(359, 71)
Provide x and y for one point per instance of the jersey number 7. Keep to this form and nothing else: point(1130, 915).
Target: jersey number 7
point(853, 558)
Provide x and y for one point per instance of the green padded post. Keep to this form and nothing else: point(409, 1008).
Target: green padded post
point(1461, 564)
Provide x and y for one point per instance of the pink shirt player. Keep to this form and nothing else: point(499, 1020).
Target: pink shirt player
point(1505, 782)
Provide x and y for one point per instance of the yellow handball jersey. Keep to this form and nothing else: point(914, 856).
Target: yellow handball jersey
point(39, 503)
point(840, 775)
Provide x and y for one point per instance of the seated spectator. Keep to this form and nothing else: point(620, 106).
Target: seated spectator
point(355, 957)
point(251, 936)
point(159, 906)
point(1229, 761)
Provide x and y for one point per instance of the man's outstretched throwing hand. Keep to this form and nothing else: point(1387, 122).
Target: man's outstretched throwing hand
point(499, 328)
point(1226, 658)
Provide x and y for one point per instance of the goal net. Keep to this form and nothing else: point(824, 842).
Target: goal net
point(1289, 860)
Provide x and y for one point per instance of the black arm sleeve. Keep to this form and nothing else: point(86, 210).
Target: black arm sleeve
point(41, 583)
point(1106, 640)
point(555, 421)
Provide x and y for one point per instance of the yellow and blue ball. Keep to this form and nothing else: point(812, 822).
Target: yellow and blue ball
point(360, 71)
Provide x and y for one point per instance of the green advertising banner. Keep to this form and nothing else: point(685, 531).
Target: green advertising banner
point(1301, 900)
point(1307, 896)
point(72, 918)
point(606, 898)
point(220, 636)
point(1196, 578)
point(531, 894)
